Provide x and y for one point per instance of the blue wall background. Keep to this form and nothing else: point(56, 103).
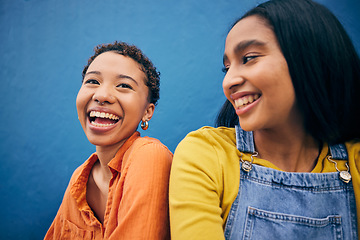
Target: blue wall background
point(44, 46)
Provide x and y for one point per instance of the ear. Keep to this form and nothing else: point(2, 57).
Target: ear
point(149, 111)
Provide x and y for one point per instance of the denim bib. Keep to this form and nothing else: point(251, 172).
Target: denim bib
point(279, 205)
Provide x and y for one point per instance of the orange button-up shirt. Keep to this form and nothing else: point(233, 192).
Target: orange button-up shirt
point(137, 205)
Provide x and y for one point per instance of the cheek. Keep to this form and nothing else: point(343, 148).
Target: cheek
point(81, 101)
point(78, 102)
point(141, 106)
point(131, 104)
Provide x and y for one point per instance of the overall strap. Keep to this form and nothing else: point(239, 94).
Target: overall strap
point(245, 143)
point(338, 151)
point(244, 140)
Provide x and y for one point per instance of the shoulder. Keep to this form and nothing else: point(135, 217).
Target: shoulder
point(142, 141)
point(147, 161)
point(222, 132)
point(147, 149)
point(353, 148)
point(150, 144)
point(213, 139)
point(353, 145)
point(208, 149)
point(206, 162)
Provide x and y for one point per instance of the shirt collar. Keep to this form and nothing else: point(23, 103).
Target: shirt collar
point(78, 188)
point(116, 162)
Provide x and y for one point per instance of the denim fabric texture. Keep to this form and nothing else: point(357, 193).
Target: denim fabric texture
point(272, 204)
point(244, 140)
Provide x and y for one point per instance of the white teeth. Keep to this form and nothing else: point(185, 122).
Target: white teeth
point(241, 102)
point(101, 125)
point(103, 115)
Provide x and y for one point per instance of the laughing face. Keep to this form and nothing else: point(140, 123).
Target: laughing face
point(113, 99)
point(257, 80)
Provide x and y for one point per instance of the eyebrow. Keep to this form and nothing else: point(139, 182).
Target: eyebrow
point(120, 76)
point(241, 46)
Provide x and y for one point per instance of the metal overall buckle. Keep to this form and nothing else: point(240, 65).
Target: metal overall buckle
point(344, 176)
point(247, 166)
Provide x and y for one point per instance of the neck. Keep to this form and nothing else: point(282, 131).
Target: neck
point(290, 150)
point(105, 154)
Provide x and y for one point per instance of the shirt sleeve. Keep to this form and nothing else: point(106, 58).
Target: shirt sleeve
point(196, 188)
point(144, 211)
point(68, 222)
point(51, 231)
point(54, 231)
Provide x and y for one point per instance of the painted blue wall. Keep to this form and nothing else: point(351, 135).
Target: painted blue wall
point(44, 46)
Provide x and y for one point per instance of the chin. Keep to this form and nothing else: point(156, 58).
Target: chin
point(248, 127)
point(97, 141)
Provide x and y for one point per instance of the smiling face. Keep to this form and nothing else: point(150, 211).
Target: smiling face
point(113, 99)
point(257, 80)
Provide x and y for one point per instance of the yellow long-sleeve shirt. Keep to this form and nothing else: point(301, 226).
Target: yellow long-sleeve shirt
point(204, 181)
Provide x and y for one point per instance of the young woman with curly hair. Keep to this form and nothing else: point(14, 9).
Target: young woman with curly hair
point(121, 191)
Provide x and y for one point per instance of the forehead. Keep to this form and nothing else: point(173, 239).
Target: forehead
point(112, 61)
point(250, 28)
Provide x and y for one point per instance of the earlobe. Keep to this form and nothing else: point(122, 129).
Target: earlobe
point(149, 111)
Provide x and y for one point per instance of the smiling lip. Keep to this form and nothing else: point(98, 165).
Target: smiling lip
point(244, 101)
point(102, 119)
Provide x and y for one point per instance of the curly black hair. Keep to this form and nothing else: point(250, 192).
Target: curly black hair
point(152, 75)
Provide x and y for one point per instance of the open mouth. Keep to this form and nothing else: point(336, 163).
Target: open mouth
point(246, 100)
point(103, 119)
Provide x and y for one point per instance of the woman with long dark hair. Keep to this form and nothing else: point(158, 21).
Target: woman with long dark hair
point(284, 162)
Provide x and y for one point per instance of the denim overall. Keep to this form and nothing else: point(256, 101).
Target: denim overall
point(278, 205)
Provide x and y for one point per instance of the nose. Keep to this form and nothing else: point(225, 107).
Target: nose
point(232, 79)
point(103, 94)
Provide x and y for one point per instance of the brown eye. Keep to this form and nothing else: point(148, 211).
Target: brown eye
point(124, 85)
point(92, 81)
point(246, 59)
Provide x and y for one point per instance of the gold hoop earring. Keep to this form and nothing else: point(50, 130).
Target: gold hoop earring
point(144, 125)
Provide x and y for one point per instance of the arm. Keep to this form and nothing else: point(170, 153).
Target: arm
point(143, 211)
point(51, 231)
point(68, 222)
point(196, 188)
point(57, 230)
point(54, 232)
